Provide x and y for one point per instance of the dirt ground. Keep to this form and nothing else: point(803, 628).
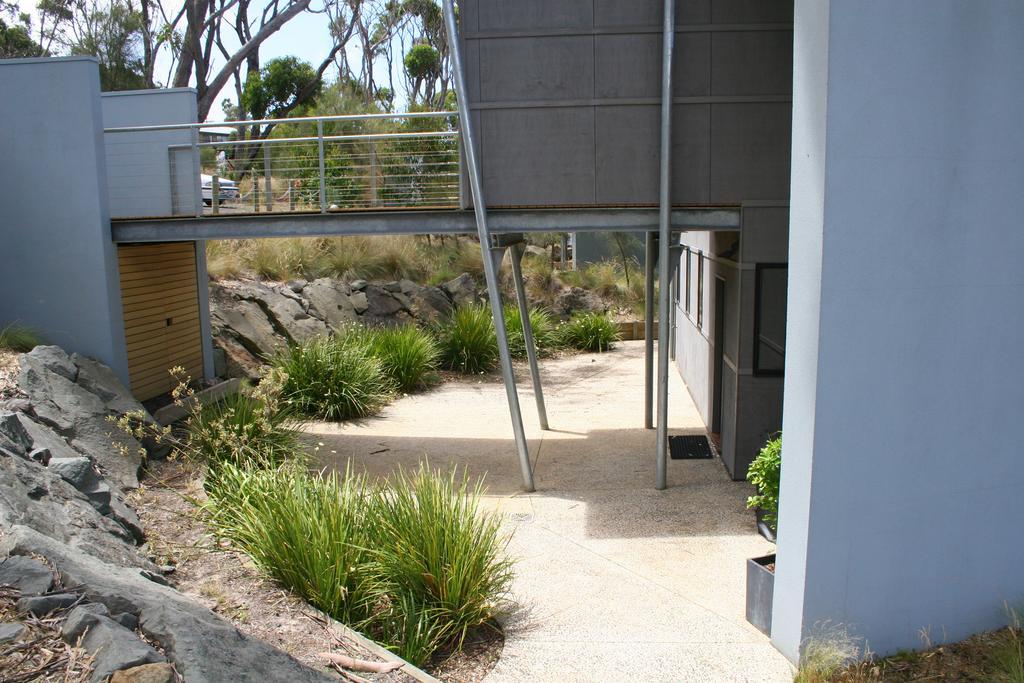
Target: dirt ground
point(228, 583)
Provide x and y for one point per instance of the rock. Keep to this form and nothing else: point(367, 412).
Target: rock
point(392, 287)
point(461, 290)
point(380, 303)
point(13, 436)
point(408, 286)
point(41, 605)
point(18, 405)
point(45, 438)
point(76, 471)
point(539, 252)
point(357, 285)
point(147, 673)
point(33, 495)
point(11, 632)
point(78, 414)
point(285, 314)
point(81, 619)
point(296, 285)
point(239, 361)
point(129, 621)
point(41, 456)
point(114, 648)
point(359, 302)
point(220, 362)
point(202, 646)
point(249, 325)
point(331, 301)
point(428, 304)
point(577, 300)
point(29, 576)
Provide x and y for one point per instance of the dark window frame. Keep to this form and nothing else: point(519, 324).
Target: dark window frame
point(689, 276)
point(700, 290)
point(759, 268)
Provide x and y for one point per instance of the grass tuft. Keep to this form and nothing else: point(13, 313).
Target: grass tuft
point(15, 337)
point(408, 354)
point(468, 341)
point(824, 654)
point(542, 324)
point(590, 332)
point(334, 378)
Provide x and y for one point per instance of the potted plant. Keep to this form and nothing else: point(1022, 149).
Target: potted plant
point(764, 473)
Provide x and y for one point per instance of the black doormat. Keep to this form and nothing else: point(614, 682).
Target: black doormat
point(689, 447)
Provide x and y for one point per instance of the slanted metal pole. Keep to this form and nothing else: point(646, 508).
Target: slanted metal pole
point(320, 155)
point(531, 349)
point(490, 269)
point(664, 236)
point(649, 256)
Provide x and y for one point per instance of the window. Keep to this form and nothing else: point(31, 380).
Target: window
point(770, 282)
point(700, 291)
point(688, 278)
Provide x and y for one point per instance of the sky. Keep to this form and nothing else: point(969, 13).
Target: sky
point(306, 37)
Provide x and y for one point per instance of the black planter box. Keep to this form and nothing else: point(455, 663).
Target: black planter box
point(760, 584)
point(762, 526)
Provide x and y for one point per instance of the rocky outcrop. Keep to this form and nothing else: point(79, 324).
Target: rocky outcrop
point(577, 300)
point(253, 321)
point(69, 541)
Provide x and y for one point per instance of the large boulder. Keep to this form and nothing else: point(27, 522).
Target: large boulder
point(428, 304)
point(283, 310)
point(332, 301)
point(381, 302)
point(577, 300)
point(202, 646)
point(238, 360)
point(461, 290)
point(76, 397)
point(247, 322)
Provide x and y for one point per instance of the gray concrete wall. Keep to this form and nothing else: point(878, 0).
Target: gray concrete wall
point(59, 271)
point(147, 172)
point(901, 456)
point(565, 96)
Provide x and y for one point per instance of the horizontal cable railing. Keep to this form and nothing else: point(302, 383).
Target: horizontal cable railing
point(330, 163)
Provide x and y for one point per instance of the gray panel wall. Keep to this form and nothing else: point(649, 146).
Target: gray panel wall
point(902, 476)
point(59, 271)
point(567, 92)
point(147, 172)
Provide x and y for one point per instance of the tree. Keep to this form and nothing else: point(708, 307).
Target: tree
point(16, 42)
point(281, 85)
point(114, 35)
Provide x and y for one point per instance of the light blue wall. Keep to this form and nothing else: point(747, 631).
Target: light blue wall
point(902, 471)
point(59, 266)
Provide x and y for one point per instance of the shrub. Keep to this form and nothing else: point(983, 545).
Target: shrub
point(590, 332)
point(468, 342)
point(764, 473)
point(542, 324)
point(409, 355)
point(15, 337)
point(414, 564)
point(439, 559)
point(307, 532)
point(334, 378)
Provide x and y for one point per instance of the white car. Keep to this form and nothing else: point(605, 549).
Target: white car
point(228, 189)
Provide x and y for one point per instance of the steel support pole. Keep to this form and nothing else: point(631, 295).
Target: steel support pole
point(320, 159)
point(516, 252)
point(664, 236)
point(650, 244)
point(490, 269)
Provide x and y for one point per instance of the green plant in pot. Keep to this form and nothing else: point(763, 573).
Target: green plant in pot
point(764, 473)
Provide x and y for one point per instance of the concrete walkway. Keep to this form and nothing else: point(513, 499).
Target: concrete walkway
point(615, 581)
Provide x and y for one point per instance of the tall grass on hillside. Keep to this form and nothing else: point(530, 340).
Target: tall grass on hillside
point(589, 332)
point(468, 341)
point(409, 355)
point(19, 338)
point(334, 378)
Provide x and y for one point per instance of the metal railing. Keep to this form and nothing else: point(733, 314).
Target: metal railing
point(309, 164)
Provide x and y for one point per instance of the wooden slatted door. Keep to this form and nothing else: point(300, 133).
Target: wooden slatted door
point(160, 298)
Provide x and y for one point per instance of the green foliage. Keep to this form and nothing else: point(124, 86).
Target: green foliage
point(764, 473)
point(542, 324)
point(422, 61)
point(277, 86)
point(114, 36)
point(468, 341)
point(15, 337)
point(825, 653)
point(408, 355)
point(1008, 653)
point(333, 378)
point(414, 563)
point(15, 42)
point(590, 332)
point(440, 555)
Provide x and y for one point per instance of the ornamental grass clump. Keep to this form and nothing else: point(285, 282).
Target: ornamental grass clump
point(408, 354)
point(589, 332)
point(542, 324)
point(334, 378)
point(468, 341)
point(18, 338)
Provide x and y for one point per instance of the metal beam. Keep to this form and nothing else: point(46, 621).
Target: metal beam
point(516, 253)
point(664, 238)
point(490, 267)
point(650, 254)
point(415, 222)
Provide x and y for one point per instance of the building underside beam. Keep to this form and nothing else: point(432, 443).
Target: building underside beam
point(418, 222)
